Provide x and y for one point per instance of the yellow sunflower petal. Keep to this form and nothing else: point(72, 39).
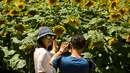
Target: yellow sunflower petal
point(59, 30)
point(89, 4)
point(3, 11)
point(115, 16)
point(21, 5)
point(13, 12)
point(52, 2)
point(8, 1)
point(113, 5)
point(127, 38)
point(73, 22)
point(112, 41)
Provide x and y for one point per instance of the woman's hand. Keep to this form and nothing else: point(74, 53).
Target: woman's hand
point(54, 46)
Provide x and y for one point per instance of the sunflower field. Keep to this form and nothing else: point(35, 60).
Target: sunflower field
point(104, 23)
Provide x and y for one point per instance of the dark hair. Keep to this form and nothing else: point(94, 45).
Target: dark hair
point(41, 45)
point(78, 41)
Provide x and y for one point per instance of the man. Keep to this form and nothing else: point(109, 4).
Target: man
point(73, 63)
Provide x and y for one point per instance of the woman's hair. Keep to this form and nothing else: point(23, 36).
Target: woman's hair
point(40, 44)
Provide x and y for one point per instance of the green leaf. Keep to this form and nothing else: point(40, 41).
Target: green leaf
point(87, 55)
point(112, 29)
point(8, 52)
point(33, 33)
point(96, 36)
point(14, 60)
point(128, 55)
point(1, 54)
point(21, 63)
point(25, 18)
point(16, 63)
point(93, 21)
point(15, 40)
point(87, 36)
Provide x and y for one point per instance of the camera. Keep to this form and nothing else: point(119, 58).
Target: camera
point(69, 46)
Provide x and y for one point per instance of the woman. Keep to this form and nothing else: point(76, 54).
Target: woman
point(42, 54)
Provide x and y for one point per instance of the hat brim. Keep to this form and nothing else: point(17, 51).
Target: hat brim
point(45, 35)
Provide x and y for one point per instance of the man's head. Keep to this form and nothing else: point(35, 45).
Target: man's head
point(78, 42)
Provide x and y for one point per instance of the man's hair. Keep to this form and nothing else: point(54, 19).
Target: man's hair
point(78, 41)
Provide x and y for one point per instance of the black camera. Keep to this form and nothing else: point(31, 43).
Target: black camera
point(69, 46)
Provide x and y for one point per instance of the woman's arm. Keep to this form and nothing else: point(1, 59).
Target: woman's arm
point(54, 48)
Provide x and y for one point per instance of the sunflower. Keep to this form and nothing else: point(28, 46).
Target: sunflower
point(128, 38)
point(29, 47)
point(91, 46)
point(8, 1)
point(5, 34)
point(73, 22)
point(21, 0)
point(21, 5)
point(59, 30)
point(113, 5)
point(127, 1)
point(123, 10)
point(13, 12)
point(112, 0)
point(112, 41)
point(3, 21)
point(129, 21)
point(103, 5)
point(32, 12)
point(79, 1)
point(3, 11)
point(117, 1)
point(52, 2)
point(90, 4)
point(115, 16)
point(20, 27)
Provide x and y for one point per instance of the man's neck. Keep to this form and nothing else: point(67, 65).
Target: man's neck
point(75, 53)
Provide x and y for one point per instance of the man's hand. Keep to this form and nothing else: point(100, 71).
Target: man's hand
point(63, 47)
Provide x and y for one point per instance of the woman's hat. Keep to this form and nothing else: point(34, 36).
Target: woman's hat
point(45, 31)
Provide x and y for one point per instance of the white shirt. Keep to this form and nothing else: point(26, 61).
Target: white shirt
point(41, 61)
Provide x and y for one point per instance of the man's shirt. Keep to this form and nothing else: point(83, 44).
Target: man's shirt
point(69, 64)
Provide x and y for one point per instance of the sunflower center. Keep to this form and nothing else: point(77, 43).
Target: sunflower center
point(116, 15)
point(59, 31)
point(77, 0)
point(113, 4)
point(2, 21)
point(89, 3)
point(14, 12)
point(52, 1)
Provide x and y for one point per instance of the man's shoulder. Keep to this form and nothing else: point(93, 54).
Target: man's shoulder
point(73, 59)
point(66, 57)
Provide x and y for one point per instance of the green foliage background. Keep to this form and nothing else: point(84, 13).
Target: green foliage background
point(16, 43)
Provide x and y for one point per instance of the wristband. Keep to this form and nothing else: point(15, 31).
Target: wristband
point(61, 52)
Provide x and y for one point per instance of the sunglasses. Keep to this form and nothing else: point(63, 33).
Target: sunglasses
point(50, 37)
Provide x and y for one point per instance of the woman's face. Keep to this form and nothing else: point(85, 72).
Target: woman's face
point(48, 40)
